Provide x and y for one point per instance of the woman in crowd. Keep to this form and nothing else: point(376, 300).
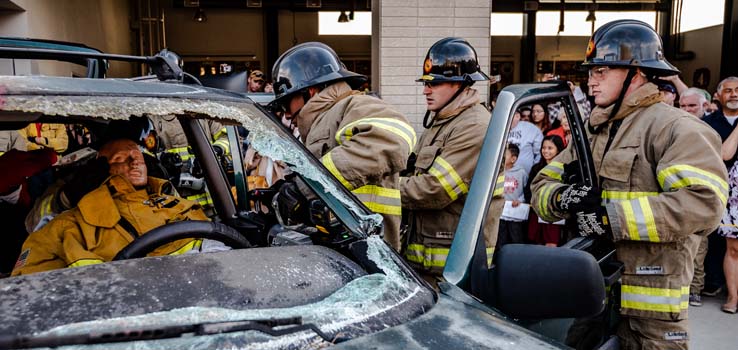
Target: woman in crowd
point(539, 117)
point(729, 227)
point(539, 232)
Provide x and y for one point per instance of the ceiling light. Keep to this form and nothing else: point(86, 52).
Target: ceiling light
point(591, 17)
point(200, 16)
point(342, 18)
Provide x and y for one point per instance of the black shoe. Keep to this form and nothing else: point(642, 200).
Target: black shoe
point(695, 300)
point(712, 291)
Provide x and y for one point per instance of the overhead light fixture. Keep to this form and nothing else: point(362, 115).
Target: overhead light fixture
point(342, 18)
point(200, 16)
point(591, 17)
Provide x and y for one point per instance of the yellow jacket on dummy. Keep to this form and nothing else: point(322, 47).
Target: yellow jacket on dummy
point(92, 233)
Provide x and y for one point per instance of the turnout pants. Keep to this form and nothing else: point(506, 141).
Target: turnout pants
point(650, 334)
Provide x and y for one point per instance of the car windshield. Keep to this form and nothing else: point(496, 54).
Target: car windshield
point(357, 282)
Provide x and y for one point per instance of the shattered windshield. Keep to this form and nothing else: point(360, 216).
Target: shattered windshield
point(34, 95)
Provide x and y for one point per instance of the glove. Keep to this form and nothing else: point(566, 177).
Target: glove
point(292, 204)
point(89, 177)
point(595, 223)
point(578, 197)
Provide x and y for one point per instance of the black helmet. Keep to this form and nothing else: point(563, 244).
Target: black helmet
point(451, 60)
point(628, 43)
point(309, 64)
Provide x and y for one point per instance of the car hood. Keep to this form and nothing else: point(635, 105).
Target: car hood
point(312, 282)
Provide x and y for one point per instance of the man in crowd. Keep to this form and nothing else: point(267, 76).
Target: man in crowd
point(128, 204)
point(363, 141)
point(446, 156)
point(654, 163)
point(724, 122)
point(693, 101)
point(256, 81)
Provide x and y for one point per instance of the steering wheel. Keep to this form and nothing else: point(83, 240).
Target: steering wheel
point(171, 232)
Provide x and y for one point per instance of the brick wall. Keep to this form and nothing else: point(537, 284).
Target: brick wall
point(405, 29)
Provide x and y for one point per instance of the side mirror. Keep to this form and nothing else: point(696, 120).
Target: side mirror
point(537, 282)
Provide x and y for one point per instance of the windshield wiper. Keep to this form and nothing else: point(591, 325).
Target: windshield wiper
point(290, 324)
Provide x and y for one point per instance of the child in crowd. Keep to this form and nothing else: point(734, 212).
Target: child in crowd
point(538, 232)
point(512, 228)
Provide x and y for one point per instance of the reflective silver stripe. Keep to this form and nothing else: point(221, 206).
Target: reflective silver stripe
point(554, 170)
point(449, 178)
point(380, 200)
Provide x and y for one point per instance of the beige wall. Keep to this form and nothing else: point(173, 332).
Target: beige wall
point(102, 24)
point(706, 44)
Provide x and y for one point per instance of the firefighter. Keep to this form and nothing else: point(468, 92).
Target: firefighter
point(363, 141)
point(662, 184)
point(434, 193)
point(126, 205)
point(42, 135)
point(166, 135)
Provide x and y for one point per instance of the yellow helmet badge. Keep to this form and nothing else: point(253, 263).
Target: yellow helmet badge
point(427, 65)
point(590, 48)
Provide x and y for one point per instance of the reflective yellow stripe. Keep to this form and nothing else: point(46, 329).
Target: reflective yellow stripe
point(554, 170)
point(490, 255)
point(499, 186)
point(224, 145)
point(385, 200)
point(682, 175)
point(194, 244)
point(327, 161)
point(427, 256)
point(221, 132)
point(639, 219)
point(85, 262)
point(449, 178)
point(203, 199)
point(609, 196)
point(654, 299)
point(1, 153)
point(544, 200)
point(46, 206)
point(397, 127)
point(184, 152)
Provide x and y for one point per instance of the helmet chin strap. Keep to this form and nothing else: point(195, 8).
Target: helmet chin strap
point(618, 102)
point(464, 84)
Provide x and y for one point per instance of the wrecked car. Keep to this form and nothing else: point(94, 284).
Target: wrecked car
point(329, 281)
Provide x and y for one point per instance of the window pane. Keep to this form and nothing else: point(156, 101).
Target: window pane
point(698, 14)
point(506, 24)
point(328, 23)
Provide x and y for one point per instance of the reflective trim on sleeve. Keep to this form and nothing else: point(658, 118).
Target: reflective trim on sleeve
point(224, 145)
point(85, 262)
point(639, 220)
point(221, 132)
point(654, 299)
point(544, 200)
point(379, 199)
point(499, 186)
point(45, 207)
point(203, 199)
point(327, 161)
point(682, 175)
point(184, 152)
point(397, 127)
point(192, 245)
point(427, 256)
point(554, 170)
point(449, 178)
point(609, 196)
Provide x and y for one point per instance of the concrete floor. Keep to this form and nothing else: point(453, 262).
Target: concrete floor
point(710, 328)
